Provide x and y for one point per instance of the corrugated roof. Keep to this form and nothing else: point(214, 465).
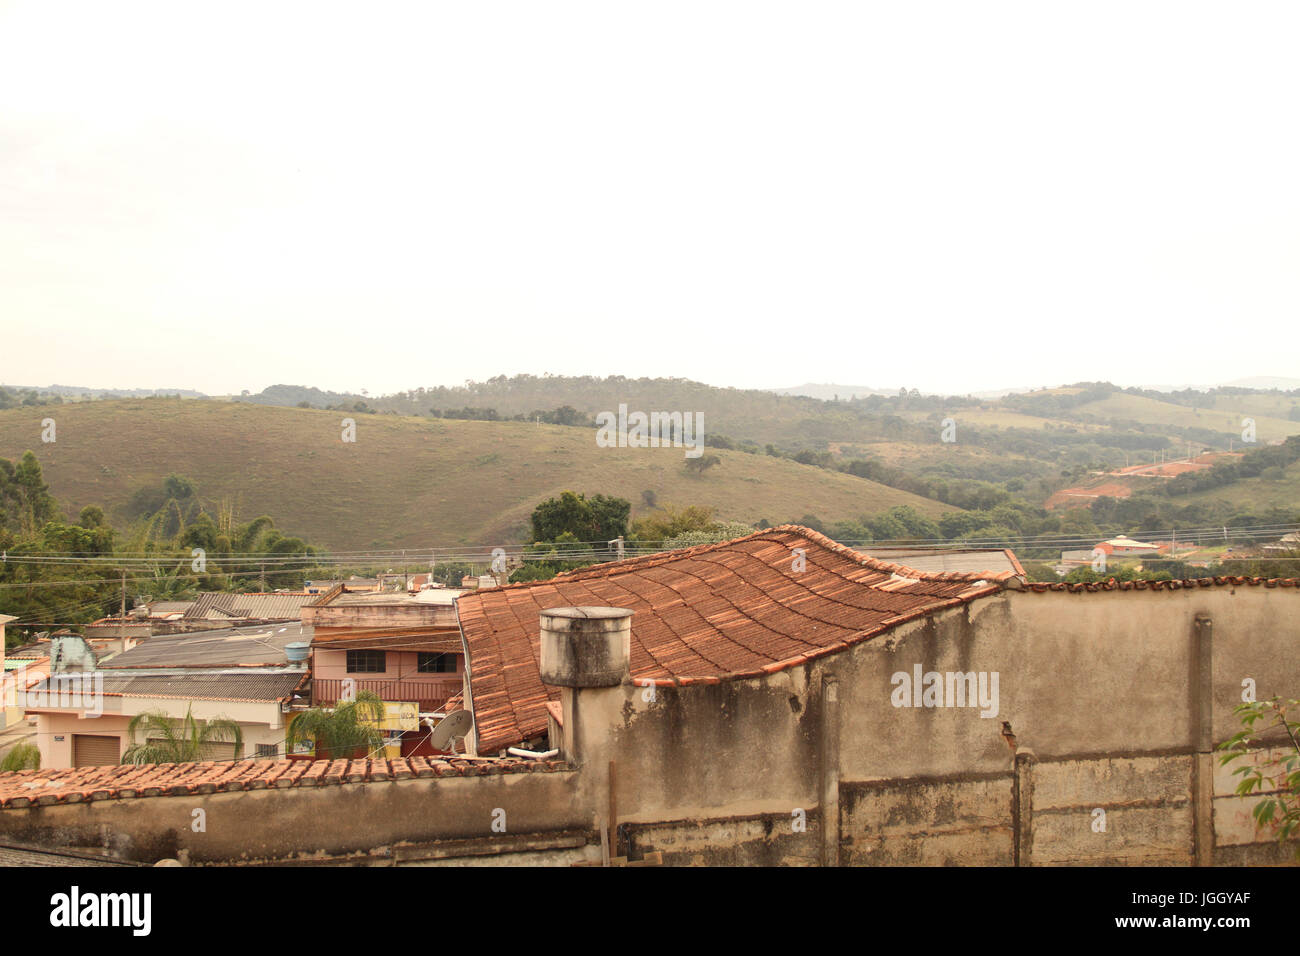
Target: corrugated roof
point(227, 647)
point(244, 686)
point(219, 605)
point(715, 612)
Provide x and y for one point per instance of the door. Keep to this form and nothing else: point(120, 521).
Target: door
point(91, 750)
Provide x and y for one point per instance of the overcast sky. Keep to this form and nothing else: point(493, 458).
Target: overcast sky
point(950, 196)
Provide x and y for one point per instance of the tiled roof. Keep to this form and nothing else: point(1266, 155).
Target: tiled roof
point(706, 614)
point(1184, 585)
point(25, 788)
point(11, 855)
point(435, 638)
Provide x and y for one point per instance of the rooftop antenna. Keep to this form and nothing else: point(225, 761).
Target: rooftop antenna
point(451, 728)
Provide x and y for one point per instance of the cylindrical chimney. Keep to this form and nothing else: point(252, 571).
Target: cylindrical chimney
point(586, 646)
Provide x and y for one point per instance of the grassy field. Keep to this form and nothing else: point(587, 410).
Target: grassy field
point(1256, 494)
point(405, 482)
point(1225, 417)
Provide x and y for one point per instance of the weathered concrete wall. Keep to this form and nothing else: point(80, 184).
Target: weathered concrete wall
point(1134, 811)
point(398, 615)
point(323, 823)
point(928, 822)
point(1099, 693)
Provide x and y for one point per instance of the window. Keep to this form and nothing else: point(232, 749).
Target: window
point(436, 664)
point(366, 662)
point(268, 750)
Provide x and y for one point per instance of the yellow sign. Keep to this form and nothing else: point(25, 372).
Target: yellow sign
point(401, 715)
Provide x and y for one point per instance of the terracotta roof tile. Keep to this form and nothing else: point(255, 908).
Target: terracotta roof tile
point(1041, 587)
point(701, 615)
point(26, 788)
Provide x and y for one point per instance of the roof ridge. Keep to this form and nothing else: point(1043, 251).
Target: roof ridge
point(1175, 584)
point(628, 565)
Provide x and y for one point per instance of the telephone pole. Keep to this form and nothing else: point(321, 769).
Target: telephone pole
point(123, 613)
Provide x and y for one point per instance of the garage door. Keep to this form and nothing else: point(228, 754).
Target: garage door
point(89, 750)
point(219, 751)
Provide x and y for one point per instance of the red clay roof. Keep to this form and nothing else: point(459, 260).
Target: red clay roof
point(25, 788)
point(429, 637)
point(1041, 587)
point(705, 614)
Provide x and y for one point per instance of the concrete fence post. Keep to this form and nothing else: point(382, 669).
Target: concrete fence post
point(829, 797)
point(1022, 809)
point(1203, 730)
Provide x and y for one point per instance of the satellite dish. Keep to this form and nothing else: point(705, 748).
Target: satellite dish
point(452, 727)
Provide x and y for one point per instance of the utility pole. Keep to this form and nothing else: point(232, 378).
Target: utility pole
point(263, 586)
point(123, 614)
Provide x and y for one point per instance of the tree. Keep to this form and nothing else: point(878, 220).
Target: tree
point(1276, 781)
point(35, 505)
point(569, 513)
point(610, 516)
point(671, 522)
point(350, 730)
point(189, 741)
point(599, 518)
point(698, 466)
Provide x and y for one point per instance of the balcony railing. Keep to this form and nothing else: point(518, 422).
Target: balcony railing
point(430, 693)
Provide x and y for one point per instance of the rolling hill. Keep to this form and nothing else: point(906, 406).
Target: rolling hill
point(405, 482)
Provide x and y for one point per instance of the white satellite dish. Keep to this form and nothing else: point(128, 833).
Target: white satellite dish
point(451, 728)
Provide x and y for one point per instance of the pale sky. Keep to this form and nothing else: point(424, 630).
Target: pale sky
point(950, 196)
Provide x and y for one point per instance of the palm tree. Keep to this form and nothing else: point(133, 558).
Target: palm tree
point(350, 730)
point(189, 742)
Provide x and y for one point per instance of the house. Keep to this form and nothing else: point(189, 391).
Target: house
point(19, 668)
point(1288, 544)
point(1125, 546)
point(773, 699)
point(405, 647)
point(83, 707)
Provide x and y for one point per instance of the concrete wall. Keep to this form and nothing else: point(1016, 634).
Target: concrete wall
point(1095, 753)
point(1108, 706)
point(401, 613)
point(419, 821)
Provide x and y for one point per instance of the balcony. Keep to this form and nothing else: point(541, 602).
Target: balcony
point(430, 693)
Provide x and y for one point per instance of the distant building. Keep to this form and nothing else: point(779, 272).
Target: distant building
point(245, 677)
point(1124, 545)
point(403, 647)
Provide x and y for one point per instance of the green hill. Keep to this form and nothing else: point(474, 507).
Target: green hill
point(405, 482)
